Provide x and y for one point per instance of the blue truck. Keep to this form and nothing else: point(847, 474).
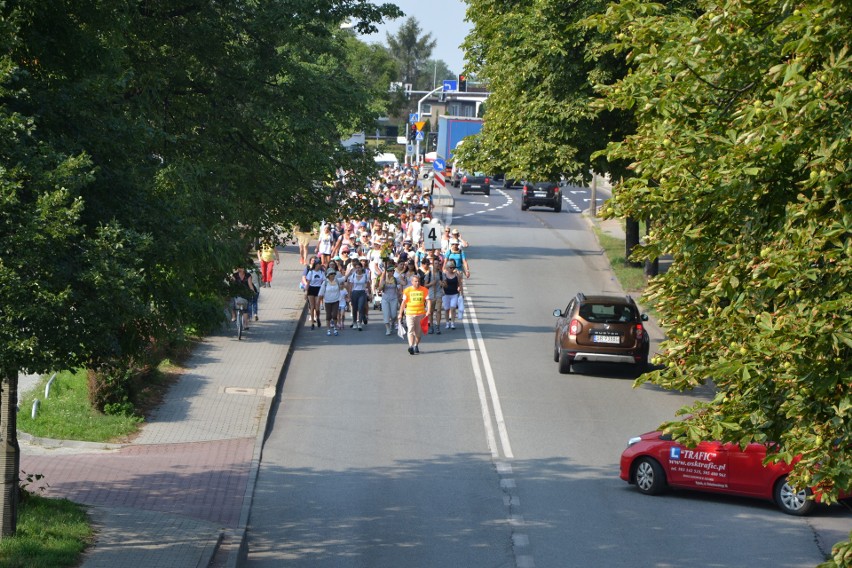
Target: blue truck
point(451, 131)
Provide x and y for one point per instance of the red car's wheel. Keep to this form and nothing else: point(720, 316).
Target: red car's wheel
point(793, 501)
point(649, 476)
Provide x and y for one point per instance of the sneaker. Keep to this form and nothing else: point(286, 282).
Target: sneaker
point(328, 332)
point(387, 331)
point(439, 330)
point(453, 325)
point(417, 349)
point(353, 325)
point(255, 318)
point(360, 327)
point(335, 332)
point(319, 325)
point(411, 350)
point(431, 329)
point(312, 325)
point(448, 325)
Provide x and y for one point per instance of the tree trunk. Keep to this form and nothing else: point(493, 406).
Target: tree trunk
point(631, 240)
point(11, 454)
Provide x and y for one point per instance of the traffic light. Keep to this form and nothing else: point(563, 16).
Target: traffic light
point(462, 83)
point(412, 133)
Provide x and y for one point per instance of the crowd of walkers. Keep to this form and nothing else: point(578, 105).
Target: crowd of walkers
point(359, 264)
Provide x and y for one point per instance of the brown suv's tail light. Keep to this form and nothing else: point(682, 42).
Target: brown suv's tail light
point(575, 327)
point(639, 331)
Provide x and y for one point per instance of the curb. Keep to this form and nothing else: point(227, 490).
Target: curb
point(235, 543)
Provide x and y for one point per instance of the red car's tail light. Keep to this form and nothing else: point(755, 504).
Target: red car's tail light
point(487, 180)
point(464, 179)
point(575, 327)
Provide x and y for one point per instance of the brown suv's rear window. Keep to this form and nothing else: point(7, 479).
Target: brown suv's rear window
point(606, 313)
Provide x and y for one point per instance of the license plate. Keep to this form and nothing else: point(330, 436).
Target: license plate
point(475, 187)
point(540, 194)
point(606, 339)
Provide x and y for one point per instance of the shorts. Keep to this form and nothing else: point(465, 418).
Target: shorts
point(313, 290)
point(303, 238)
point(451, 301)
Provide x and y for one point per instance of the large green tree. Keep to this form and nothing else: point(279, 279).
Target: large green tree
point(412, 49)
point(142, 147)
point(742, 160)
point(541, 65)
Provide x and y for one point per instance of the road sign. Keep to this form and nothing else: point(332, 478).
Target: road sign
point(419, 135)
point(432, 235)
point(409, 149)
point(450, 85)
point(413, 117)
point(420, 124)
point(439, 165)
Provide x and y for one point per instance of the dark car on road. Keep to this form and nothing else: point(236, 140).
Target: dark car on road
point(512, 183)
point(604, 328)
point(476, 181)
point(544, 193)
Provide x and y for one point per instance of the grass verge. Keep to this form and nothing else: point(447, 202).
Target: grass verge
point(632, 278)
point(51, 532)
point(67, 414)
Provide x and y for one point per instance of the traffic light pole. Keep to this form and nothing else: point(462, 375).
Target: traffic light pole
point(417, 159)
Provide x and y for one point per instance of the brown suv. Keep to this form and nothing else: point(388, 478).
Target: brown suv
point(600, 329)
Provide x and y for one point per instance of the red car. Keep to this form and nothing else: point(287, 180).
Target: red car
point(653, 462)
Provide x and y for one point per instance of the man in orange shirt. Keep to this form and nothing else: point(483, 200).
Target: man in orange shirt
point(414, 307)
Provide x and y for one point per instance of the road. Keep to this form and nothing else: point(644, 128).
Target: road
point(477, 452)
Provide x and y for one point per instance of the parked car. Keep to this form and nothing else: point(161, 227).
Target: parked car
point(653, 462)
point(546, 193)
point(476, 181)
point(604, 328)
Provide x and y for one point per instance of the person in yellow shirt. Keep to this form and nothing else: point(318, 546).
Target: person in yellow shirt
point(268, 257)
point(414, 308)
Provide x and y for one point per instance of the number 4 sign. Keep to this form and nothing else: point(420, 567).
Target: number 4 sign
point(432, 235)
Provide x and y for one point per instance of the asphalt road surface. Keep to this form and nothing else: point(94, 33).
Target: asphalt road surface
point(477, 452)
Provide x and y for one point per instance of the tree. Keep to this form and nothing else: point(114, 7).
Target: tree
point(411, 50)
point(141, 150)
point(541, 64)
point(742, 158)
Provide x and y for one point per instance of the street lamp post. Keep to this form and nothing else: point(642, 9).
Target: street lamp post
point(419, 107)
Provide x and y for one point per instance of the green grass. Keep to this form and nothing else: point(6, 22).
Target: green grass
point(67, 414)
point(632, 279)
point(51, 532)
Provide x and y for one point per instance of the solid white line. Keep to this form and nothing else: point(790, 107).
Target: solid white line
point(492, 386)
point(483, 400)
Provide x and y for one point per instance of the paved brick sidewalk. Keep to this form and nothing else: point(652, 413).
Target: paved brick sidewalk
point(180, 494)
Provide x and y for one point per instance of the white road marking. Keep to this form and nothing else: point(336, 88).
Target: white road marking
point(469, 322)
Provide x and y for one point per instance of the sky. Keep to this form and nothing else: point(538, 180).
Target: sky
point(444, 19)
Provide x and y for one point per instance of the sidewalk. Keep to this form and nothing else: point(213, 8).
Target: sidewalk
point(180, 494)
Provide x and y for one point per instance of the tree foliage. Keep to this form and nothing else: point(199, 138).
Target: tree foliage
point(540, 65)
point(143, 146)
point(741, 159)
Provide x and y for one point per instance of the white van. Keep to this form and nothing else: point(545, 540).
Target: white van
point(386, 159)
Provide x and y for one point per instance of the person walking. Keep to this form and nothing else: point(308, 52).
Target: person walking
point(304, 239)
point(313, 279)
point(453, 290)
point(268, 258)
point(325, 244)
point(458, 257)
point(434, 281)
point(329, 293)
point(358, 285)
point(389, 286)
point(413, 307)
